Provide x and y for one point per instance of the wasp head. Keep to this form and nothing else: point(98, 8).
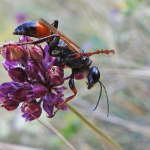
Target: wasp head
point(93, 76)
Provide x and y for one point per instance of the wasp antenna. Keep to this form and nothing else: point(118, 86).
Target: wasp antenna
point(106, 97)
point(99, 96)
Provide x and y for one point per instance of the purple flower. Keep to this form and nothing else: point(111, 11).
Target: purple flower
point(37, 79)
point(20, 17)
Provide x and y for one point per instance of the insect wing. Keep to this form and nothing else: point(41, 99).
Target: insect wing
point(75, 48)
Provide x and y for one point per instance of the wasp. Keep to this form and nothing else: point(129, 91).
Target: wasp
point(67, 52)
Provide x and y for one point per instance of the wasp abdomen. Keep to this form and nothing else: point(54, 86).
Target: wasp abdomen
point(26, 28)
point(32, 28)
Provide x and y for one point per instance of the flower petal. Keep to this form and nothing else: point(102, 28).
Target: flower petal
point(17, 84)
point(31, 107)
point(60, 89)
point(64, 107)
point(17, 74)
point(49, 109)
point(10, 104)
point(52, 98)
point(18, 95)
point(7, 64)
point(3, 98)
point(7, 87)
point(33, 116)
point(39, 90)
point(56, 74)
point(24, 39)
point(34, 52)
point(47, 56)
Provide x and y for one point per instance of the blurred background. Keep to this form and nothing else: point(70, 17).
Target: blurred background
point(122, 25)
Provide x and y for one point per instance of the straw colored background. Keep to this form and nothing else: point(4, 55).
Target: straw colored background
point(122, 25)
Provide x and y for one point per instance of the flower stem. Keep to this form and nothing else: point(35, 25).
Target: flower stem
point(106, 137)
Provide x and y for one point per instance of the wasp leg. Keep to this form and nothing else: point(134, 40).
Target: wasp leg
point(56, 48)
point(55, 23)
point(71, 57)
point(72, 87)
point(53, 51)
point(36, 41)
point(74, 90)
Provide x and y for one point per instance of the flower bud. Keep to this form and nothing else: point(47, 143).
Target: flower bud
point(7, 87)
point(39, 90)
point(52, 98)
point(33, 116)
point(9, 104)
point(32, 69)
point(31, 110)
point(34, 53)
point(22, 95)
point(64, 107)
point(17, 74)
point(24, 39)
point(48, 57)
point(31, 107)
point(56, 74)
point(49, 109)
point(12, 53)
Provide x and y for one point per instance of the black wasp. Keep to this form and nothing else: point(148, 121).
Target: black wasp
point(67, 52)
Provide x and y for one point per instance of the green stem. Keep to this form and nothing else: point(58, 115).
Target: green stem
point(117, 147)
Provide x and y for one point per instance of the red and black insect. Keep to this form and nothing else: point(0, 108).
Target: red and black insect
point(67, 52)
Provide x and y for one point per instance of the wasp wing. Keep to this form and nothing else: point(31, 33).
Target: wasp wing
point(75, 48)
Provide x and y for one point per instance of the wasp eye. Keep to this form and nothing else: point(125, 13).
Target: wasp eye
point(93, 76)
